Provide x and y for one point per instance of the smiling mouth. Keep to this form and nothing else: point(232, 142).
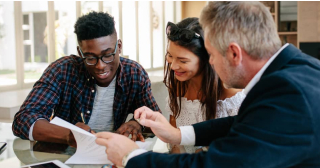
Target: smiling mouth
point(179, 73)
point(103, 74)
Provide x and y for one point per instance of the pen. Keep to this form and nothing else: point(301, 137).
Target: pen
point(52, 115)
point(82, 118)
point(84, 121)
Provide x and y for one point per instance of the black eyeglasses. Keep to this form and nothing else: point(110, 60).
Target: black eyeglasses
point(175, 33)
point(93, 60)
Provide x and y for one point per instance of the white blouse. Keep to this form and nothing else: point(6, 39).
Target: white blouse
point(191, 111)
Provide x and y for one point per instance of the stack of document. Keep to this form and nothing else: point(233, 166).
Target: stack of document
point(88, 152)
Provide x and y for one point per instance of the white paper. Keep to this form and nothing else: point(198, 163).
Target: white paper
point(88, 152)
point(160, 146)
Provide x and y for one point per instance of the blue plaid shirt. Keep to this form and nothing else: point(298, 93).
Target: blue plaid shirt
point(67, 88)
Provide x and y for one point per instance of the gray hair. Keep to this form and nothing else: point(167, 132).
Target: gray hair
point(249, 24)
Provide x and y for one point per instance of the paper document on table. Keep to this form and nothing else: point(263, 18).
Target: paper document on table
point(88, 152)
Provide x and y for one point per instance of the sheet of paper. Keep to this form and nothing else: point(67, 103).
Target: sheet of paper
point(88, 152)
point(160, 146)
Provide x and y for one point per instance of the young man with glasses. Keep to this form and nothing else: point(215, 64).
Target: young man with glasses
point(96, 90)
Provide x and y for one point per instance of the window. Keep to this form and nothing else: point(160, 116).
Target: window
point(34, 39)
point(129, 30)
point(45, 32)
point(65, 39)
point(88, 6)
point(112, 7)
point(144, 34)
point(8, 75)
point(158, 32)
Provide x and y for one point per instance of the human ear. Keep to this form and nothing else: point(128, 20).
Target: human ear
point(120, 45)
point(234, 54)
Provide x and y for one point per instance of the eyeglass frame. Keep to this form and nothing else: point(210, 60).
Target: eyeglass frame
point(99, 57)
point(179, 30)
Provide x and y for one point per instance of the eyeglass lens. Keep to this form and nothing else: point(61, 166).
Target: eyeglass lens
point(94, 60)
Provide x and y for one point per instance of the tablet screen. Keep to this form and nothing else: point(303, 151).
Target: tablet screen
point(45, 165)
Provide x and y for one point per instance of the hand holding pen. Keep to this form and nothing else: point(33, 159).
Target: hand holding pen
point(70, 139)
point(83, 125)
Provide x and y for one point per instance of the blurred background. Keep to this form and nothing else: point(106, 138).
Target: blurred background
point(35, 33)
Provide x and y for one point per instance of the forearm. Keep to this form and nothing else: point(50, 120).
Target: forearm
point(23, 121)
point(44, 131)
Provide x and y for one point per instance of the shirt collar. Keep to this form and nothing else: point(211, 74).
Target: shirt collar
point(120, 73)
point(257, 77)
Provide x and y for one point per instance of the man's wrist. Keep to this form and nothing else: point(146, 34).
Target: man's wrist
point(126, 158)
point(177, 140)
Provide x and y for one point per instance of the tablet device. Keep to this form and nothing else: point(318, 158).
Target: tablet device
point(48, 164)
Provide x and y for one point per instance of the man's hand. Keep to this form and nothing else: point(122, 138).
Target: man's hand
point(71, 141)
point(117, 146)
point(131, 127)
point(158, 124)
point(70, 138)
point(83, 126)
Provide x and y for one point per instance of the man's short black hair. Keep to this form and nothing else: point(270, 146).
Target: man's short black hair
point(94, 25)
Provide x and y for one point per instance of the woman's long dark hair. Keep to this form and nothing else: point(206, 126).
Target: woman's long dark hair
point(210, 85)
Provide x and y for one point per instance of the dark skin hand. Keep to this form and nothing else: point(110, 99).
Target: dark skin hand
point(131, 127)
point(71, 141)
point(46, 132)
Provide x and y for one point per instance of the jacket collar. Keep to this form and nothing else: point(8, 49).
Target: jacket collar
point(282, 59)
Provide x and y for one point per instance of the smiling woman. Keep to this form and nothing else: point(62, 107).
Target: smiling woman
point(186, 64)
point(196, 93)
point(183, 62)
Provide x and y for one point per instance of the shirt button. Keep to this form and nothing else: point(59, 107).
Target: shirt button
point(92, 91)
point(88, 112)
point(88, 79)
point(92, 77)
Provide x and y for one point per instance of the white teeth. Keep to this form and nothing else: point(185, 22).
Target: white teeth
point(103, 73)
